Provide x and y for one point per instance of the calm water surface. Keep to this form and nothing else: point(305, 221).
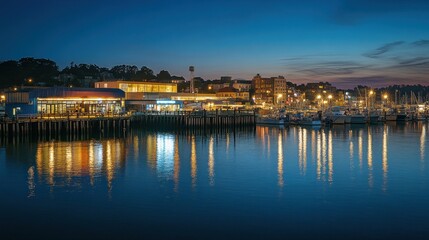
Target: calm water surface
point(353, 182)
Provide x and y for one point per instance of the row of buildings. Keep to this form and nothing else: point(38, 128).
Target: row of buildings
point(117, 97)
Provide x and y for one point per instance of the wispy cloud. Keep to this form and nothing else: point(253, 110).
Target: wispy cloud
point(383, 49)
point(423, 42)
point(390, 63)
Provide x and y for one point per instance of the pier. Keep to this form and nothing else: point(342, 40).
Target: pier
point(195, 119)
point(58, 125)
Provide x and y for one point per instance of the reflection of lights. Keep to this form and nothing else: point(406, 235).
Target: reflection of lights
point(351, 149)
point(319, 156)
point(302, 150)
point(193, 162)
point(62, 161)
point(69, 158)
point(51, 164)
point(330, 157)
point(30, 182)
point(360, 148)
point(211, 161)
point(324, 160)
point(370, 178)
point(176, 163)
point(165, 154)
point(136, 147)
point(384, 156)
point(280, 160)
point(422, 143)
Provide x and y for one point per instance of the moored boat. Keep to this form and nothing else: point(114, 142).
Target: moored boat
point(269, 121)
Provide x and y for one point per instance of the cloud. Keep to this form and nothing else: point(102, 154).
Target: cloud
point(421, 43)
point(396, 62)
point(417, 61)
point(383, 49)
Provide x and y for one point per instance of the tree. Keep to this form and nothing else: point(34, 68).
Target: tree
point(163, 76)
point(126, 72)
point(145, 73)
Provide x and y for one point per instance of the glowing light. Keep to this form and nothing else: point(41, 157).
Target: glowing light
point(211, 161)
point(280, 160)
point(370, 177)
point(330, 96)
point(384, 157)
point(385, 96)
point(319, 96)
point(193, 162)
point(165, 102)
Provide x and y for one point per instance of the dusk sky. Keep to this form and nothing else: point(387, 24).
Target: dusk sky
point(349, 42)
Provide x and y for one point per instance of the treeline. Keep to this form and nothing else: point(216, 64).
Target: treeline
point(33, 71)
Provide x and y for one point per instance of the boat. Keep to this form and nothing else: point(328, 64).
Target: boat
point(401, 117)
point(372, 119)
point(357, 119)
point(309, 121)
point(269, 121)
point(335, 116)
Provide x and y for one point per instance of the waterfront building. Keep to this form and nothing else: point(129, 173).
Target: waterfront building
point(216, 85)
point(143, 96)
point(270, 91)
point(242, 85)
point(232, 93)
point(135, 90)
point(64, 101)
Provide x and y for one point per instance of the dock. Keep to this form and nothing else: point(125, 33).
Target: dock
point(83, 125)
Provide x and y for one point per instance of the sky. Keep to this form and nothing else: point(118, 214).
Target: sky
point(348, 42)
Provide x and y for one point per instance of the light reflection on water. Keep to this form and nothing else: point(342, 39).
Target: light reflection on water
point(231, 174)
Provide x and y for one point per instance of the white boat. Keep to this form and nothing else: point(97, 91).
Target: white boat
point(335, 115)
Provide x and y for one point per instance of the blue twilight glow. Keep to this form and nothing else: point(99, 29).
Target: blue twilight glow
point(348, 42)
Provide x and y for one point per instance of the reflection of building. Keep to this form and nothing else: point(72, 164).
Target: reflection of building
point(59, 162)
point(60, 100)
point(269, 90)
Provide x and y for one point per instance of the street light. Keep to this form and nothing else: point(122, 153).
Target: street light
point(329, 97)
point(279, 96)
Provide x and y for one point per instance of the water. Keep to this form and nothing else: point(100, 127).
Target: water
point(353, 182)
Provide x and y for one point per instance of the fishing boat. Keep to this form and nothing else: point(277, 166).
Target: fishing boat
point(335, 116)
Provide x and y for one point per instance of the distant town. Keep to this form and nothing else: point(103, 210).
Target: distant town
point(32, 87)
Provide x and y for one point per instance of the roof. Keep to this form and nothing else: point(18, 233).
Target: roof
point(75, 92)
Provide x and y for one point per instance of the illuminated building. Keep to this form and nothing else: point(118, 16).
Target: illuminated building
point(142, 96)
point(272, 91)
point(230, 92)
point(61, 100)
point(136, 90)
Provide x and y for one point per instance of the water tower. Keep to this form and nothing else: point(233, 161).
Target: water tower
point(191, 72)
